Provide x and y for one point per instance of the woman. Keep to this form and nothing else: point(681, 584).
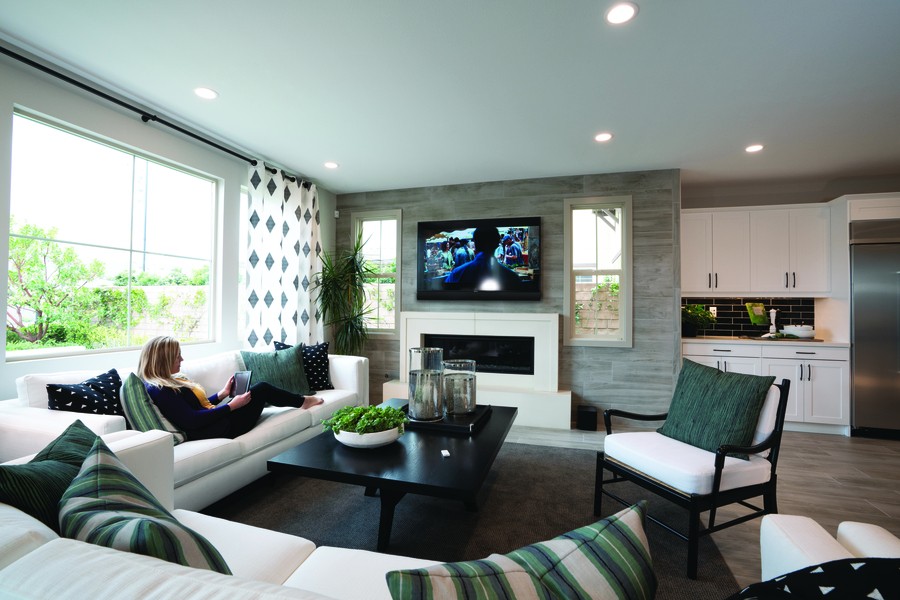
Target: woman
point(186, 405)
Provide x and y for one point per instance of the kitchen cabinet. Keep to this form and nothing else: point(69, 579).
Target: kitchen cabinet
point(730, 358)
point(820, 382)
point(715, 252)
point(790, 251)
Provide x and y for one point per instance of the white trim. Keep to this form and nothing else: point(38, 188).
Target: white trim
point(357, 217)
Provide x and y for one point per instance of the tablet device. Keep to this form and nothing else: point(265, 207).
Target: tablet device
point(241, 383)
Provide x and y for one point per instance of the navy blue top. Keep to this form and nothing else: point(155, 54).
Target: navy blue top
point(183, 409)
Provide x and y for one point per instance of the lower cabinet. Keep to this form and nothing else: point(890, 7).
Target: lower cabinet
point(730, 358)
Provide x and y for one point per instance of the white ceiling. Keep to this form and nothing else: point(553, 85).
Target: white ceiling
point(407, 93)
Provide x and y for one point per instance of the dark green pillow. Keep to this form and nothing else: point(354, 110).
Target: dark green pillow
point(37, 486)
point(106, 505)
point(281, 368)
point(711, 408)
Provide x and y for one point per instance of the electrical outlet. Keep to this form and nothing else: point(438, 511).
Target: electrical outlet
point(713, 310)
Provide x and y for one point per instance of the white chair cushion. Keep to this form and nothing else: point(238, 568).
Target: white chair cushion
point(766, 424)
point(346, 573)
point(682, 466)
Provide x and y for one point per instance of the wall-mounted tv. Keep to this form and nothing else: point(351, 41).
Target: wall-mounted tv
point(479, 259)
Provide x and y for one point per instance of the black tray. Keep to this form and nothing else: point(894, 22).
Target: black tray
point(463, 425)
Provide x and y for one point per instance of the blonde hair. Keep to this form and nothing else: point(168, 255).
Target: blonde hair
point(156, 360)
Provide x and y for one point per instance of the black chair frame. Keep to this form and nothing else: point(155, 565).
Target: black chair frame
point(696, 504)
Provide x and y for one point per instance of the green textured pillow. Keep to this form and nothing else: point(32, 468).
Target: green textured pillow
point(281, 368)
point(711, 408)
point(140, 411)
point(106, 505)
point(609, 559)
point(36, 487)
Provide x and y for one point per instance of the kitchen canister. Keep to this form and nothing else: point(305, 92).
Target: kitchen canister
point(425, 399)
point(458, 385)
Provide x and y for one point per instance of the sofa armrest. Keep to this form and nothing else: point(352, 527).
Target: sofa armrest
point(791, 542)
point(26, 430)
point(150, 456)
point(867, 540)
point(350, 373)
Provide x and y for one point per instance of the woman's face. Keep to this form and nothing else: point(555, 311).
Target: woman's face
point(176, 366)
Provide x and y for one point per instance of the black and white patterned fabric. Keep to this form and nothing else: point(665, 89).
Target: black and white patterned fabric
point(98, 395)
point(315, 365)
point(875, 578)
point(283, 255)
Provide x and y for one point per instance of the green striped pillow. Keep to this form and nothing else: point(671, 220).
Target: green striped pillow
point(606, 560)
point(710, 408)
point(106, 505)
point(36, 486)
point(140, 411)
point(281, 368)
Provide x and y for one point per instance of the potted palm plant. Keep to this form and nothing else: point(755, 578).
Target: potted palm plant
point(342, 296)
point(695, 317)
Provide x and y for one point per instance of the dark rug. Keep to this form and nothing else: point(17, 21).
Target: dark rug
point(533, 493)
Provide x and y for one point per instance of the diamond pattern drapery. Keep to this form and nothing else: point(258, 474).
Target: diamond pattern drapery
point(283, 253)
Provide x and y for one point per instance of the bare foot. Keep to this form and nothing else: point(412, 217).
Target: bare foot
point(310, 401)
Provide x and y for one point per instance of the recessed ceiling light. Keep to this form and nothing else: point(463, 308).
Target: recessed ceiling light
point(754, 148)
point(206, 93)
point(331, 165)
point(603, 137)
point(621, 12)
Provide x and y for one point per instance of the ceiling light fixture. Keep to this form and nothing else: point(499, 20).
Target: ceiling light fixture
point(621, 12)
point(206, 93)
point(331, 165)
point(754, 148)
point(603, 137)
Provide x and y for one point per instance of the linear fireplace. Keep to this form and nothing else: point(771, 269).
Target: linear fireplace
point(513, 355)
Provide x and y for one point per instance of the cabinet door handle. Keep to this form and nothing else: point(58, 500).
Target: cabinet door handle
point(809, 372)
point(725, 362)
point(717, 280)
point(709, 280)
point(720, 350)
point(719, 365)
point(785, 279)
point(794, 275)
point(801, 371)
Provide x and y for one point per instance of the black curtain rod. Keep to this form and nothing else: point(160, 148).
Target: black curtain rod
point(145, 116)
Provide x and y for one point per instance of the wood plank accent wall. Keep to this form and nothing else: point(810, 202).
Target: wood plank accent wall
point(640, 378)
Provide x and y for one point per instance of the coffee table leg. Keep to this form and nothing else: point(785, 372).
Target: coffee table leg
point(389, 500)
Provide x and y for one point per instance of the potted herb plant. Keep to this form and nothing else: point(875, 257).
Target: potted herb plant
point(366, 426)
point(695, 317)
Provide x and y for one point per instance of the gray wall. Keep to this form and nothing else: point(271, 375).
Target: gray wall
point(639, 378)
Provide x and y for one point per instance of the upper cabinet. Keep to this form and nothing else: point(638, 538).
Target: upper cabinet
point(777, 251)
point(790, 250)
point(715, 252)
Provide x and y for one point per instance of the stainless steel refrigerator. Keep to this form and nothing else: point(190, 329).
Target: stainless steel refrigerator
point(875, 327)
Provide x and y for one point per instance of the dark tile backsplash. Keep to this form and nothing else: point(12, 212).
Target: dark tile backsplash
point(732, 317)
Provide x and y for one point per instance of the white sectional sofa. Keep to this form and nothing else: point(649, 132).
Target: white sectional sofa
point(204, 470)
point(35, 563)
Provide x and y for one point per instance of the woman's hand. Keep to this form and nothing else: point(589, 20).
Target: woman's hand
point(226, 391)
point(239, 401)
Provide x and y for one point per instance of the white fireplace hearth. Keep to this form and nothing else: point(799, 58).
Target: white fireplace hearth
point(537, 397)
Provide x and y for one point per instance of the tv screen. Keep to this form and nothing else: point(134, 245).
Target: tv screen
point(479, 259)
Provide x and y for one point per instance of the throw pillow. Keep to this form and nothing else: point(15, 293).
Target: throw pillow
point(711, 408)
point(609, 559)
point(315, 364)
point(281, 368)
point(98, 395)
point(36, 487)
point(106, 505)
point(142, 413)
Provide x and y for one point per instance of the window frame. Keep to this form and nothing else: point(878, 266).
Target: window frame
point(626, 277)
point(357, 219)
point(214, 285)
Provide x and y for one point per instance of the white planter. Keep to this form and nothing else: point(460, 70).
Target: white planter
point(367, 440)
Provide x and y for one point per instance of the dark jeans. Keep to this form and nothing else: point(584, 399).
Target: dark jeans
point(245, 418)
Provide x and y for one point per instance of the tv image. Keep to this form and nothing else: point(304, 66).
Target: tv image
point(479, 259)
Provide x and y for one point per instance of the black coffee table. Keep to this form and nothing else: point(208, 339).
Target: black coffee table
point(411, 465)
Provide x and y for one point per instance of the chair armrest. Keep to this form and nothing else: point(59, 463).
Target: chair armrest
point(609, 413)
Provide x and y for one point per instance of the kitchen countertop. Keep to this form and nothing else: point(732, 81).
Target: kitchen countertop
point(713, 339)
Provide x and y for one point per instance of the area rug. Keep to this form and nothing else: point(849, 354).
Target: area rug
point(533, 493)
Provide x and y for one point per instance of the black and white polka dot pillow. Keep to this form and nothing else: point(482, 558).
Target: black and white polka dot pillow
point(315, 363)
point(98, 395)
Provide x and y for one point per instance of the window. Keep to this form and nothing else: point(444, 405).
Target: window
point(107, 248)
point(598, 270)
point(381, 240)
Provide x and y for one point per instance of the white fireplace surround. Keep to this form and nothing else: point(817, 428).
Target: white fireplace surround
point(537, 396)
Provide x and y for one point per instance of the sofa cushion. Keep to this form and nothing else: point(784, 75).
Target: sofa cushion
point(106, 505)
point(31, 389)
point(608, 559)
point(710, 407)
point(142, 413)
point(682, 466)
point(97, 572)
point(98, 395)
point(200, 457)
point(212, 372)
point(281, 368)
point(275, 424)
point(37, 486)
point(20, 533)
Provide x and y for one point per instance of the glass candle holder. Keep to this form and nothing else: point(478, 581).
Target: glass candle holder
point(458, 385)
point(425, 400)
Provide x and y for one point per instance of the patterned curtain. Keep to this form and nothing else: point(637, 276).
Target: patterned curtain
point(282, 253)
